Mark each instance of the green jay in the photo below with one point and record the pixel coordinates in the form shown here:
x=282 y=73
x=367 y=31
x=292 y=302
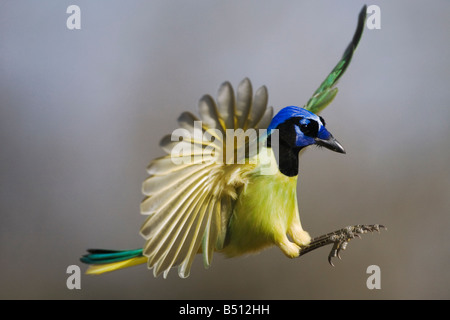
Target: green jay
x=213 y=194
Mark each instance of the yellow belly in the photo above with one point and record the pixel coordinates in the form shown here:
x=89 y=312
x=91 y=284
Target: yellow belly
x=262 y=214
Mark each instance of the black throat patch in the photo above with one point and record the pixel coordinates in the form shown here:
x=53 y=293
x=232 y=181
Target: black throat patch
x=287 y=159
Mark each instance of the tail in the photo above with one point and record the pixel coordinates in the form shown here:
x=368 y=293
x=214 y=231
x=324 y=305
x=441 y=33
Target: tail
x=102 y=261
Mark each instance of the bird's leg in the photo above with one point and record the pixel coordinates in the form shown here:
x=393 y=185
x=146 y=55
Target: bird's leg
x=290 y=249
x=296 y=232
x=339 y=239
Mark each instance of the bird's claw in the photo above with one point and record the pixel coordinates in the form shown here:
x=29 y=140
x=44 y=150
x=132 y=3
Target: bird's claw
x=340 y=239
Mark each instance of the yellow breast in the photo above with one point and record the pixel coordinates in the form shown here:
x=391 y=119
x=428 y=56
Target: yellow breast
x=263 y=210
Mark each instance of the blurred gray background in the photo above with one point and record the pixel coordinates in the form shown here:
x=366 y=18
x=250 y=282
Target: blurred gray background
x=82 y=113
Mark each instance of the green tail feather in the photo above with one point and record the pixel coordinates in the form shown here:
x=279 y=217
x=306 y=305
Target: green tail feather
x=327 y=91
x=101 y=256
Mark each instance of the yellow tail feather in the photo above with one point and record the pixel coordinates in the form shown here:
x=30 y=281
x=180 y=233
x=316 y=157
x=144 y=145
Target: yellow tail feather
x=108 y=267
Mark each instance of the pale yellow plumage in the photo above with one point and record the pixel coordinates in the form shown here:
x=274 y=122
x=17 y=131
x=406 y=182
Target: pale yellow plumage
x=189 y=205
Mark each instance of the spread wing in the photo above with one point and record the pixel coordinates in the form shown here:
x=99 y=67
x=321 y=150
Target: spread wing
x=323 y=96
x=190 y=192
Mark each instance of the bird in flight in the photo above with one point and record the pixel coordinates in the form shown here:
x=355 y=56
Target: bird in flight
x=228 y=182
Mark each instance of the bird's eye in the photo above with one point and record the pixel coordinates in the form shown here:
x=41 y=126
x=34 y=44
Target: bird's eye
x=322 y=120
x=309 y=128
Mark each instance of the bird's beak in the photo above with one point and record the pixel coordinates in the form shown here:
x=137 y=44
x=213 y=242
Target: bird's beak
x=330 y=143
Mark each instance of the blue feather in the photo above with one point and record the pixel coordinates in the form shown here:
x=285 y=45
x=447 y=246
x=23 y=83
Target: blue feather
x=290 y=112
